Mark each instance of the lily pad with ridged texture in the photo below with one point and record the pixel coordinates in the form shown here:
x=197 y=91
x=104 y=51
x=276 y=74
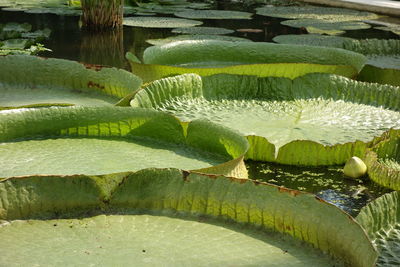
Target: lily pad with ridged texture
x=383 y=160
x=316 y=119
x=208 y=57
x=311 y=39
x=203 y=30
x=28 y=81
x=394 y=28
x=383 y=65
x=110 y=140
x=170 y=217
x=315 y=12
x=160 y=22
x=59 y=7
x=326 y=26
x=213 y=14
x=381 y=220
x=196 y=37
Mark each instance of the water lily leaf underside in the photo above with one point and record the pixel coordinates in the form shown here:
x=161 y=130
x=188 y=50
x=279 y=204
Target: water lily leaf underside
x=210 y=57
x=154 y=214
x=317 y=119
x=33 y=81
x=99 y=141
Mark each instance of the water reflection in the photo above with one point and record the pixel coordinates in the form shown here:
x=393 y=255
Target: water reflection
x=329 y=183
x=103 y=48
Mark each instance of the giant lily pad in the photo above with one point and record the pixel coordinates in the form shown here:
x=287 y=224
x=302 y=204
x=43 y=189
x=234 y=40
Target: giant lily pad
x=160 y=22
x=203 y=30
x=326 y=26
x=315 y=12
x=170 y=217
x=112 y=140
x=16 y=44
x=213 y=14
x=383 y=160
x=34 y=81
x=312 y=39
x=247 y=58
x=196 y=37
x=16 y=27
x=380 y=219
x=390 y=27
x=317 y=119
x=59 y=7
x=383 y=65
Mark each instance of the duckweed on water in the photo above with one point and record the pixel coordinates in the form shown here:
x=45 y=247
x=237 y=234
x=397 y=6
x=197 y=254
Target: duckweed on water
x=329 y=183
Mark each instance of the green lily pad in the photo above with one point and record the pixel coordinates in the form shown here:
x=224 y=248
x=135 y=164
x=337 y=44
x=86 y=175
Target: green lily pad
x=326 y=26
x=383 y=65
x=59 y=7
x=33 y=81
x=110 y=140
x=383 y=161
x=208 y=57
x=151 y=214
x=160 y=22
x=317 y=119
x=315 y=12
x=213 y=14
x=55 y=10
x=380 y=219
x=203 y=30
x=394 y=28
x=16 y=44
x=17 y=27
x=37 y=35
x=196 y=37
x=311 y=39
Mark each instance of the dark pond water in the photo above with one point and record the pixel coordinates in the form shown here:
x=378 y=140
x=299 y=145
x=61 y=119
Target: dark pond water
x=68 y=41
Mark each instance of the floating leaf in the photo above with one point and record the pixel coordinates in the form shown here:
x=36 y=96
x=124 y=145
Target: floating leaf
x=311 y=39
x=30 y=81
x=315 y=12
x=383 y=65
x=326 y=26
x=38 y=35
x=208 y=57
x=394 y=28
x=213 y=14
x=17 y=27
x=383 y=161
x=16 y=44
x=202 y=30
x=108 y=140
x=380 y=219
x=151 y=214
x=317 y=119
x=160 y=22
x=195 y=37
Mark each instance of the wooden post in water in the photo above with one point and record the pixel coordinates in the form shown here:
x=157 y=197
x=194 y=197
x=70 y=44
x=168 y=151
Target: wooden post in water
x=102 y=14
